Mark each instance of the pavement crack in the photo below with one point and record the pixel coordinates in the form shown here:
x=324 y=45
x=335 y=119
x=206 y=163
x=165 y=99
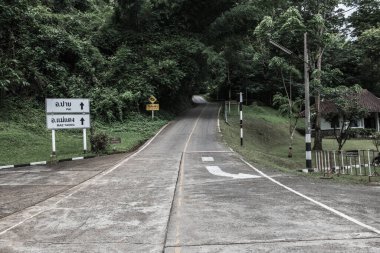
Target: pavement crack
x=270 y=241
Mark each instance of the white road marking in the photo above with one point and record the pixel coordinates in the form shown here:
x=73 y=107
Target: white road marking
x=215 y=170
x=207 y=159
x=212 y=151
x=218 y=119
x=314 y=201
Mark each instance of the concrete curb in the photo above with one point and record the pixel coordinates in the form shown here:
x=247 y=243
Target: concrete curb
x=77 y=158
x=46 y=162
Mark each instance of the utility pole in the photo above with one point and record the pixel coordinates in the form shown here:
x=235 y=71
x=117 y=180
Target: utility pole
x=307 y=107
x=307 y=97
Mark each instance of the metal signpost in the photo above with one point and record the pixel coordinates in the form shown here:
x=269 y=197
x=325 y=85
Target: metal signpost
x=68 y=113
x=152 y=106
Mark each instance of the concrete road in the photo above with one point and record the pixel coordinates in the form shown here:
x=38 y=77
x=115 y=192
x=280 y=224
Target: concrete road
x=184 y=191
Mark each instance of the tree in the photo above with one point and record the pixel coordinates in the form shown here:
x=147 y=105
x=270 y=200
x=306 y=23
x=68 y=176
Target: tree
x=291 y=109
x=348 y=110
x=365 y=16
x=289 y=105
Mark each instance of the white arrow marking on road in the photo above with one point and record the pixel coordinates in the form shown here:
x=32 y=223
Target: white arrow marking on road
x=215 y=170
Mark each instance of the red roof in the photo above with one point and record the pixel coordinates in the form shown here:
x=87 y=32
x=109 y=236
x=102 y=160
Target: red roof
x=366 y=100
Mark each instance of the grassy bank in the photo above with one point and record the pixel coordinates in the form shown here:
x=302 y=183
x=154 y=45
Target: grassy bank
x=24 y=137
x=266 y=140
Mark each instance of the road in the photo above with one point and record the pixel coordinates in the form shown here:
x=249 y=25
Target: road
x=184 y=191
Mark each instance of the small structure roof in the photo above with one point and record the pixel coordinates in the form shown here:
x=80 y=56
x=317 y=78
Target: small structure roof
x=366 y=99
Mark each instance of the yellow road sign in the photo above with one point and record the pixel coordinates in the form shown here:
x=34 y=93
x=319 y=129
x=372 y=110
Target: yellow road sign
x=152 y=99
x=153 y=107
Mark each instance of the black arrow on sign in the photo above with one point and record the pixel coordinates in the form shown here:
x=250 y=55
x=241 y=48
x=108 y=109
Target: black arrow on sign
x=81 y=106
x=82 y=120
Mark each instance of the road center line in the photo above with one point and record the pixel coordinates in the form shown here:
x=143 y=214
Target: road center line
x=218 y=122
x=314 y=201
x=179 y=195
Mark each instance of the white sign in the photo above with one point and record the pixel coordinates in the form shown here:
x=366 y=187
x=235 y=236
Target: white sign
x=68 y=121
x=67 y=105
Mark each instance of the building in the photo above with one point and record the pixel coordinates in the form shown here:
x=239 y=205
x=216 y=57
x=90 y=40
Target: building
x=366 y=99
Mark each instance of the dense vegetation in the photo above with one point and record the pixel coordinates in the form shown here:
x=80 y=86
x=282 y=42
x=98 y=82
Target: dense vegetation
x=120 y=52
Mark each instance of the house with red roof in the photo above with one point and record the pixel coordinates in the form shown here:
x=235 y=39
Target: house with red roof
x=367 y=100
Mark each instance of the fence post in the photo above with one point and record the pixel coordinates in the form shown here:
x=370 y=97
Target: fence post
x=316 y=160
x=350 y=166
x=321 y=160
x=328 y=160
x=341 y=156
x=360 y=165
x=334 y=161
x=369 y=164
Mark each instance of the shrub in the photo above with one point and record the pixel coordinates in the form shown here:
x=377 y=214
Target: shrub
x=360 y=132
x=99 y=142
x=376 y=140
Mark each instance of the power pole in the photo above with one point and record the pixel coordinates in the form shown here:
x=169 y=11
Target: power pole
x=307 y=107
x=307 y=97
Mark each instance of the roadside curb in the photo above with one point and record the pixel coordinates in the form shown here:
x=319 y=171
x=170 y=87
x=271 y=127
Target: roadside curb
x=47 y=162
x=79 y=157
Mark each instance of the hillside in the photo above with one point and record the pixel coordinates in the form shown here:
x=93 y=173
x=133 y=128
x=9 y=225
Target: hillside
x=266 y=138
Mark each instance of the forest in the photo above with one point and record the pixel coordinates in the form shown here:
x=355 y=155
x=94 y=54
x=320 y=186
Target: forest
x=119 y=52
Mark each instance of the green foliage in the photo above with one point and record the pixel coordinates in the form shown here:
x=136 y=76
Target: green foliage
x=376 y=140
x=99 y=143
x=120 y=52
x=286 y=107
x=361 y=133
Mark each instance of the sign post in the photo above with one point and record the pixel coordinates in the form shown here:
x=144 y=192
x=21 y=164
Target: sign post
x=152 y=106
x=241 y=117
x=68 y=113
x=53 y=142
x=84 y=140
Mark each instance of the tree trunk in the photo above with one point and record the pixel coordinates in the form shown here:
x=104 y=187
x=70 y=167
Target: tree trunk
x=290 y=151
x=2 y=96
x=317 y=129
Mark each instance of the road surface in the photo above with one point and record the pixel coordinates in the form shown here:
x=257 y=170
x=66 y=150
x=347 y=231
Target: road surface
x=184 y=191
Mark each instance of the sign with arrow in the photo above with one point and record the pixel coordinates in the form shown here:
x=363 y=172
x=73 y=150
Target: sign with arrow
x=67 y=105
x=68 y=121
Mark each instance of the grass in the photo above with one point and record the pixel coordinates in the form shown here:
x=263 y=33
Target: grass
x=24 y=137
x=266 y=141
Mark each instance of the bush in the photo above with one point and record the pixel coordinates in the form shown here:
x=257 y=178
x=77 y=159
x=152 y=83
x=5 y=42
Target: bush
x=99 y=142
x=360 y=132
x=376 y=140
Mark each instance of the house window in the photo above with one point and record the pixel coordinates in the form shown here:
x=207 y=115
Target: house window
x=354 y=123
